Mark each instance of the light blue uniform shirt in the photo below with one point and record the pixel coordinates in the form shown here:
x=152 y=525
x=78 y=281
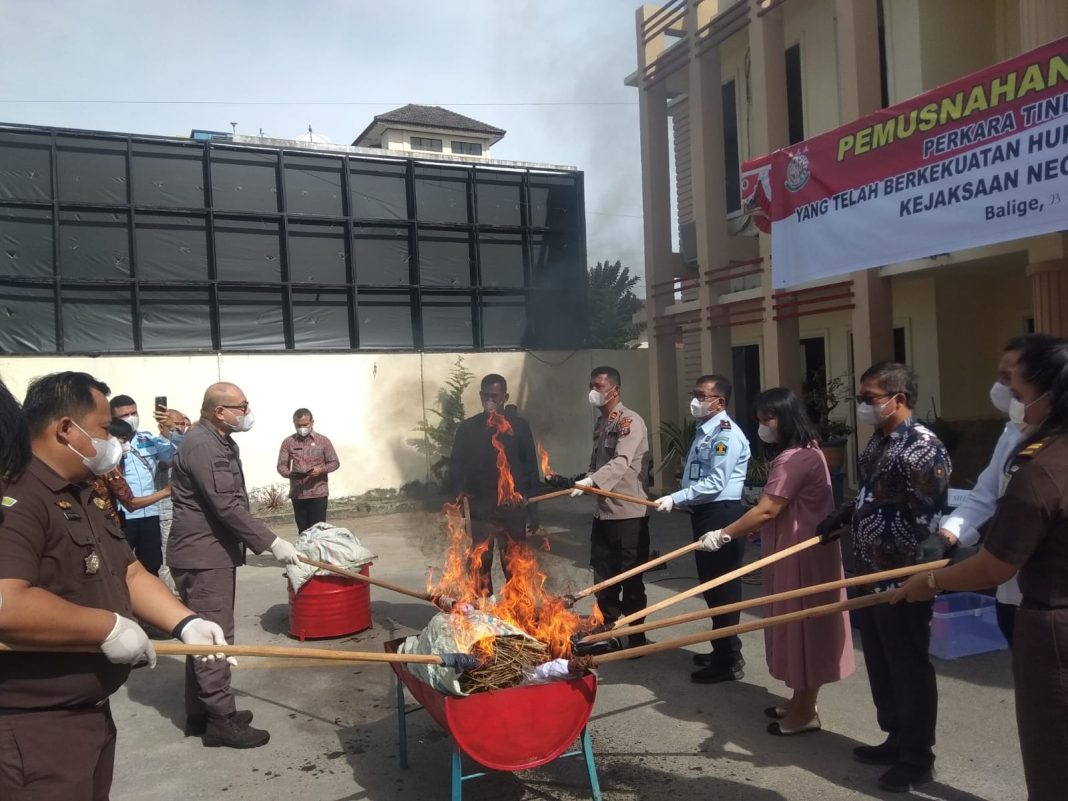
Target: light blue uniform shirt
x=139 y=468
x=716 y=465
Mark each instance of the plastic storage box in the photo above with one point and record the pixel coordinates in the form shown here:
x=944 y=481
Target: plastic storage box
x=965 y=623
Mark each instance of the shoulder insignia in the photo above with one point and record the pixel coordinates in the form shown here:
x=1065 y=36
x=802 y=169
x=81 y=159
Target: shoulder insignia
x=720 y=448
x=8 y=502
x=725 y=424
x=1030 y=451
x=612 y=417
x=64 y=505
x=100 y=503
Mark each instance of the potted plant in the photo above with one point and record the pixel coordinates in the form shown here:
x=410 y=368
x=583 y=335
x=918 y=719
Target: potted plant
x=821 y=397
x=676 y=439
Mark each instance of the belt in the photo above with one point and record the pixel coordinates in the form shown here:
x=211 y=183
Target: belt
x=732 y=502
x=99 y=705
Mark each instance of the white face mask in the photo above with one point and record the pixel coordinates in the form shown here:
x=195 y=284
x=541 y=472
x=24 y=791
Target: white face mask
x=1018 y=410
x=767 y=434
x=489 y=407
x=303 y=431
x=598 y=399
x=699 y=409
x=243 y=422
x=869 y=415
x=133 y=420
x=126 y=447
x=107 y=453
x=1001 y=397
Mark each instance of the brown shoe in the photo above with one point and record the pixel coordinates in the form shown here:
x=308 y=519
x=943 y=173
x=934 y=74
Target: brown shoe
x=196 y=725
x=228 y=733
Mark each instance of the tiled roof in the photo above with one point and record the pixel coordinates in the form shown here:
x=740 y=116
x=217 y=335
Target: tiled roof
x=436 y=117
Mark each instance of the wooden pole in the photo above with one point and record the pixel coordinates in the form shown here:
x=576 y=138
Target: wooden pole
x=726 y=609
x=352 y=574
x=174 y=649
x=634 y=571
x=548 y=496
x=743 y=628
x=716 y=582
x=618 y=496
x=465 y=505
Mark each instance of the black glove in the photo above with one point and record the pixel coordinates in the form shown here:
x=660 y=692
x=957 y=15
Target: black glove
x=831 y=527
x=560 y=482
x=932 y=547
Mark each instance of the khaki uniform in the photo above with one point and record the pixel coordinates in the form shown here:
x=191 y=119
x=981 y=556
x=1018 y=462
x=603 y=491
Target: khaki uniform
x=57 y=739
x=620 y=463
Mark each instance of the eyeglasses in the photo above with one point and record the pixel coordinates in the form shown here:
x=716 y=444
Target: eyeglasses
x=869 y=399
x=698 y=396
x=242 y=406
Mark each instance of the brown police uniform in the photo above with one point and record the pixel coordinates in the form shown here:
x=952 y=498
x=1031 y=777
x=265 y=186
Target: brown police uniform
x=212 y=527
x=1030 y=530
x=57 y=738
x=619 y=539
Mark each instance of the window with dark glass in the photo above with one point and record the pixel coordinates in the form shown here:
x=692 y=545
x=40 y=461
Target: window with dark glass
x=97 y=320
x=91 y=170
x=25 y=242
x=795 y=110
x=244 y=181
x=732 y=183
x=168 y=176
x=313 y=186
x=499 y=197
x=25 y=167
x=171 y=247
x=251 y=319
x=247 y=251
x=467 y=148
x=425 y=143
x=385 y=320
x=317 y=253
x=378 y=190
x=501 y=260
x=94 y=244
x=444 y=258
x=381 y=256
x=27 y=318
x=504 y=321
x=175 y=319
x=447 y=321
x=441 y=195
x=321 y=320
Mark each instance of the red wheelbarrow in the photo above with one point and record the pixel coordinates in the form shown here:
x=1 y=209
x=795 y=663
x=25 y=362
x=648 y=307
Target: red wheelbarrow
x=514 y=729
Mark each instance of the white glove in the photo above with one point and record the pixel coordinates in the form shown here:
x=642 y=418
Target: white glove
x=665 y=504
x=199 y=631
x=582 y=482
x=713 y=540
x=284 y=551
x=127 y=644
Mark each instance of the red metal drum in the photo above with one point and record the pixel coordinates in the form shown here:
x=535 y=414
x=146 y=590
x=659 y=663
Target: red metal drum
x=514 y=729
x=329 y=606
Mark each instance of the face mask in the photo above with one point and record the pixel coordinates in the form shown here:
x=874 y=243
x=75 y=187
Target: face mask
x=1001 y=397
x=176 y=437
x=1018 y=409
x=126 y=447
x=767 y=434
x=597 y=399
x=243 y=422
x=303 y=431
x=699 y=409
x=489 y=407
x=869 y=415
x=107 y=453
x=133 y=420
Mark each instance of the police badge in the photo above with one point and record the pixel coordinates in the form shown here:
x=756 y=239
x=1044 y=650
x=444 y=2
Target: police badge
x=92 y=563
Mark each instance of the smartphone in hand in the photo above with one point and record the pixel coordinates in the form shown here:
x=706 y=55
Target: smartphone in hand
x=161 y=403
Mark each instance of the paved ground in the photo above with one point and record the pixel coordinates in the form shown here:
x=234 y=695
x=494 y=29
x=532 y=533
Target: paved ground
x=655 y=733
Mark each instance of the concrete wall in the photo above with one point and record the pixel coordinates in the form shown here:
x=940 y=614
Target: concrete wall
x=806 y=23
x=400 y=139
x=368 y=404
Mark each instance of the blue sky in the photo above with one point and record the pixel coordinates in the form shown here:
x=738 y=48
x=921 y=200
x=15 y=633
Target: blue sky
x=550 y=72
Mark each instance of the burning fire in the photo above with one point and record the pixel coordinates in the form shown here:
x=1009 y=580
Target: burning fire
x=543 y=457
x=523 y=602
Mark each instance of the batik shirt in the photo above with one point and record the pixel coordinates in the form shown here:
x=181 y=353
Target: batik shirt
x=904 y=477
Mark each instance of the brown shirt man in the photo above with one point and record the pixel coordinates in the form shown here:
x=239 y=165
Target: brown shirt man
x=56 y=536
x=212 y=523
x=620 y=463
x=298 y=455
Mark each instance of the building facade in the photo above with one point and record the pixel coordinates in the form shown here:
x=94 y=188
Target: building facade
x=722 y=82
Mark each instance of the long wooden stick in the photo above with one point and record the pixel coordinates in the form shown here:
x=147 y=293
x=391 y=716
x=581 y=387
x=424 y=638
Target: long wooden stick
x=465 y=505
x=634 y=571
x=174 y=649
x=743 y=628
x=802 y=592
x=618 y=496
x=548 y=496
x=352 y=574
x=716 y=582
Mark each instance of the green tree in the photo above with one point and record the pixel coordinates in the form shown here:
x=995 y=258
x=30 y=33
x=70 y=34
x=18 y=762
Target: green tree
x=612 y=307
x=437 y=437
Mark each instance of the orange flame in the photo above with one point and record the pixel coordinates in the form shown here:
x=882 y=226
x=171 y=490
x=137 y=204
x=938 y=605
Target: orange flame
x=506 y=491
x=543 y=457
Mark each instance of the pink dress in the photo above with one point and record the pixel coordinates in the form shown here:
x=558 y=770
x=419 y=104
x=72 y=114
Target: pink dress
x=813 y=652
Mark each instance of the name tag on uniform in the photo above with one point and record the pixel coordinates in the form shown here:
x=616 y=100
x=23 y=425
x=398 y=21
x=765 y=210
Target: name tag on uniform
x=695 y=471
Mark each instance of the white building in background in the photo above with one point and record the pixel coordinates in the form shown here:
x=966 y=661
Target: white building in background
x=429 y=129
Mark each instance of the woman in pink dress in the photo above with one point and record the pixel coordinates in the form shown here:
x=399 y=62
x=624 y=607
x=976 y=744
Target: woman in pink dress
x=805 y=654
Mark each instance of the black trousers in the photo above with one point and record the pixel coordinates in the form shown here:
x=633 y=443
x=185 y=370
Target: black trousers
x=1006 y=619
x=616 y=546
x=709 y=517
x=507 y=532
x=146 y=542
x=309 y=511
x=895 y=640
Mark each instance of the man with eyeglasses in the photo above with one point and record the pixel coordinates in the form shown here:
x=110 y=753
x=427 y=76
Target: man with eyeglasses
x=212 y=528
x=712 y=481
x=903 y=478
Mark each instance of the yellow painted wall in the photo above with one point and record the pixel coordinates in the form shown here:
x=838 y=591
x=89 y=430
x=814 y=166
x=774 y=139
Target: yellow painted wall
x=810 y=23
x=957 y=37
x=368 y=404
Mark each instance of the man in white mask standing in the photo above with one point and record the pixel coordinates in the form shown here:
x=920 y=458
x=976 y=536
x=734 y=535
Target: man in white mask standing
x=712 y=481
x=964 y=522
x=212 y=528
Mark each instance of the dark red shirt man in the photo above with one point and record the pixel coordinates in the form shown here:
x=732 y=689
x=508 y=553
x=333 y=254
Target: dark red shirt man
x=306 y=458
